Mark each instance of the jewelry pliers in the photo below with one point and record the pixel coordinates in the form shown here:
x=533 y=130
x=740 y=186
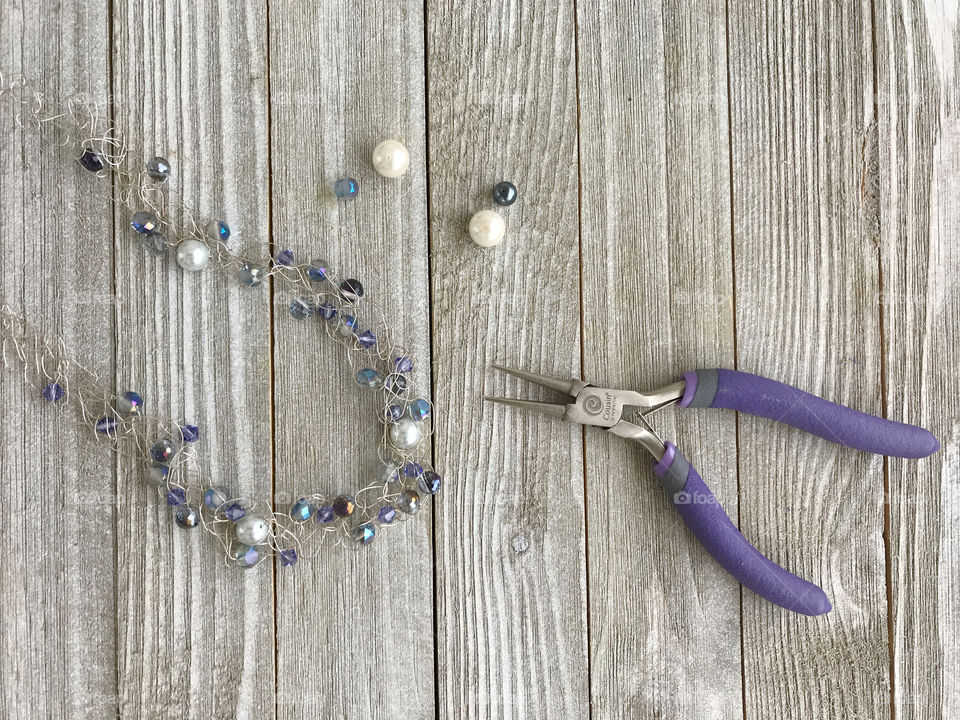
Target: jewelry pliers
x=732 y=390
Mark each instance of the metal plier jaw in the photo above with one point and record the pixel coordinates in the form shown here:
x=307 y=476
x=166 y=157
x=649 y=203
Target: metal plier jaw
x=601 y=407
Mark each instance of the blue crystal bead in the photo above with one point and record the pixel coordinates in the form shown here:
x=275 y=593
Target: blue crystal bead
x=504 y=193
x=215 y=497
x=393 y=413
x=325 y=514
x=419 y=409
x=288 y=557
x=176 y=496
x=367 y=339
x=346 y=188
x=351 y=290
x=369 y=378
x=162 y=450
x=158 y=168
x=327 y=310
x=221 y=230
x=403 y=364
x=187 y=516
x=364 y=533
x=52 y=392
x=189 y=433
x=130 y=403
x=412 y=469
x=91 y=161
x=347 y=326
x=429 y=483
x=301 y=511
x=397 y=383
x=157 y=473
x=250 y=275
x=318 y=270
x=143 y=222
x=409 y=502
x=106 y=425
x=344 y=506
x=387 y=514
x=301 y=308
x=284 y=257
x=246 y=556
x=234 y=512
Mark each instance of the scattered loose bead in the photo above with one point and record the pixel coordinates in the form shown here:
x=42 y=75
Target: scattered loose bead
x=52 y=392
x=504 y=193
x=344 y=506
x=351 y=290
x=158 y=168
x=366 y=339
x=284 y=257
x=189 y=433
x=301 y=308
x=301 y=511
x=214 y=498
x=162 y=450
x=157 y=473
x=130 y=403
x=90 y=160
x=251 y=530
x=387 y=514
x=405 y=434
x=369 y=378
x=318 y=270
x=346 y=188
x=487 y=228
x=429 y=483
x=403 y=364
x=250 y=275
x=193 y=255
x=364 y=534
x=419 y=409
x=176 y=496
x=288 y=557
x=234 y=512
x=388 y=472
x=325 y=514
x=327 y=310
x=391 y=159
x=106 y=425
x=409 y=502
x=143 y=222
x=187 y=516
x=246 y=556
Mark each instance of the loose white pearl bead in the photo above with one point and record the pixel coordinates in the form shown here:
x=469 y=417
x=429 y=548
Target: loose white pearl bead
x=391 y=159
x=405 y=434
x=487 y=228
x=251 y=530
x=192 y=255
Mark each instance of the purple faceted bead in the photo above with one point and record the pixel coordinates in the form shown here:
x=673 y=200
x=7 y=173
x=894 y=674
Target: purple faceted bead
x=325 y=514
x=412 y=470
x=284 y=257
x=327 y=310
x=190 y=433
x=106 y=425
x=176 y=496
x=52 y=392
x=234 y=512
x=91 y=160
x=393 y=413
x=429 y=483
x=403 y=364
x=288 y=557
x=387 y=514
x=367 y=339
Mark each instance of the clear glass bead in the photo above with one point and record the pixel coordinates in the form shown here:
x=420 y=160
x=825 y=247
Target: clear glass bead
x=158 y=168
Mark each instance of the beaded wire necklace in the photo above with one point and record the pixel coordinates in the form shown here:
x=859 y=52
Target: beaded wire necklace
x=249 y=529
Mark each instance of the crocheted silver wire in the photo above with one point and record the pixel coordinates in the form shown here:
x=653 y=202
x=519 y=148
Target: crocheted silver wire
x=45 y=361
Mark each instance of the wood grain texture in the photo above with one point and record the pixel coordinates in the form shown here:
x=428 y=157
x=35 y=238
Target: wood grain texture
x=919 y=129
x=57 y=521
x=657 y=301
x=355 y=625
x=805 y=251
x=511 y=613
x=195 y=635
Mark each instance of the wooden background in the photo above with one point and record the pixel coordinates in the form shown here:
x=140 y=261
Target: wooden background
x=770 y=186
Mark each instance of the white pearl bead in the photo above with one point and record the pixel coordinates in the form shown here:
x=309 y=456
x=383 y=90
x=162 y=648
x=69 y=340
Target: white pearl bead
x=405 y=434
x=251 y=530
x=391 y=159
x=192 y=255
x=487 y=228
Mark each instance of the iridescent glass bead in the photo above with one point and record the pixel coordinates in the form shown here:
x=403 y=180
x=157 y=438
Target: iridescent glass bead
x=366 y=339
x=250 y=275
x=412 y=469
x=344 y=506
x=429 y=483
x=221 y=230
x=162 y=450
x=187 y=516
x=158 y=168
x=397 y=384
x=215 y=497
x=156 y=242
x=369 y=378
x=364 y=533
x=301 y=511
x=246 y=556
x=143 y=222
x=318 y=270
x=234 y=512
x=347 y=325
x=130 y=403
x=409 y=502
x=392 y=413
x=419 y=409
x=301 y=308
x=346 y=188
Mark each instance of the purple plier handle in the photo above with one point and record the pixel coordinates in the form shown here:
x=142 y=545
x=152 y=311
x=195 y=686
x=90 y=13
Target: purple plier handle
x=734 y=390
x=702 y=513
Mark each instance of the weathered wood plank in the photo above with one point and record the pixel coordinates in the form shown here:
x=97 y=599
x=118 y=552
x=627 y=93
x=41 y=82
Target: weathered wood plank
x=919 y=130
x=57 y=534
x=657 y=275
x=354 y=625
x=510 y=535
x=806 y=268
x=195 y=633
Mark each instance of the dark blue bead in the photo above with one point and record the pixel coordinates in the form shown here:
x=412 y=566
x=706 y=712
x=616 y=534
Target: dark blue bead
x=504 y=193
x=162 y=450
x=284 y=257
x=158 y=168
x=351 y=290
x=106 y=425
x=52 y=392
x=234 y=512
x=176 y=496
x=419 y=409
x=318 y=270
x=288 y=557
x=189 y=433
x=429 y=483
x=367 y=339
x=325 y=514
x=143 y=222
x=387 y=514
x=403 y=364
x=327 y=310
x=91 y=161
x=223 y=230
